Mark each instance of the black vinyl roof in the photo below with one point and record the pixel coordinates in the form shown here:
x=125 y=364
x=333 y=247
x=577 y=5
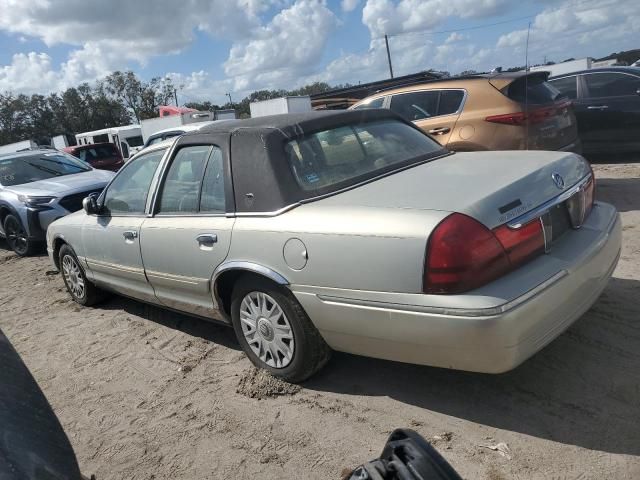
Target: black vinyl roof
x=295 y=124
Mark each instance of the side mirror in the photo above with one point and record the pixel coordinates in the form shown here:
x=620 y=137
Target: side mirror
x=90 y=204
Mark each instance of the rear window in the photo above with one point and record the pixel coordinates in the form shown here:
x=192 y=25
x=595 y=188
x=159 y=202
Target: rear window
x=533 y=89
x=97 y=152
x=335 y=158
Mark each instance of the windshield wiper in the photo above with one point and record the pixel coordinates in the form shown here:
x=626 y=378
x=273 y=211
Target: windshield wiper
x=45 y=169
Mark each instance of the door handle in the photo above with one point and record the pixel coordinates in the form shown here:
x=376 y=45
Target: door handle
x=207 y=239
x=439 y=131
x=597 y=107
x=130 y=235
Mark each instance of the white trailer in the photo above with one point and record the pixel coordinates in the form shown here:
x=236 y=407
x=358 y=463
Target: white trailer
x=125 y=138
x=59 y=142
x=18 y=146
x=565 y=67
x=153 y=125
x=276 y=106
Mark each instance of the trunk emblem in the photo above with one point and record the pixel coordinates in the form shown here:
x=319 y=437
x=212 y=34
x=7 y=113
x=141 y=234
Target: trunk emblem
x=558 y=180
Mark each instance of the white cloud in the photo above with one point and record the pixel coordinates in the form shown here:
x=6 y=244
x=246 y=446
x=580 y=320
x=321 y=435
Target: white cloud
x=349 y=5
x=288 y=46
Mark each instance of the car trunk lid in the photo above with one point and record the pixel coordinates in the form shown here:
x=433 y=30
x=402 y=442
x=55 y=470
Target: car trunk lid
x=492 y=187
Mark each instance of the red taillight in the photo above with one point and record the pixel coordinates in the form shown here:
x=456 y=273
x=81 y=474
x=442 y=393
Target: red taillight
x=463 y=254
x=521 y=244
x=533 y=116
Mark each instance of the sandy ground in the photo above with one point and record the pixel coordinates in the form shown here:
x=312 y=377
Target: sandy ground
x=147 y=394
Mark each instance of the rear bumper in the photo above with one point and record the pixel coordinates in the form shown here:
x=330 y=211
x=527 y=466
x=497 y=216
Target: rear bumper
x=490 y=340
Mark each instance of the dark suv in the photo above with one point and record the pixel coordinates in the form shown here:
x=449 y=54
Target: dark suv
x=607 y=106
x=103 y=156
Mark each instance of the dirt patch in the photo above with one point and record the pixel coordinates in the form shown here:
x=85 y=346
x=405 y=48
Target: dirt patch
x=259 y=384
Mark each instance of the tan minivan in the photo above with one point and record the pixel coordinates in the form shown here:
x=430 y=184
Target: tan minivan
x=503 y=111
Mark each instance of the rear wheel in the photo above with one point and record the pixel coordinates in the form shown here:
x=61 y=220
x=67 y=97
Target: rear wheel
x=17 y=237
x=275 y=332
x=81 y=290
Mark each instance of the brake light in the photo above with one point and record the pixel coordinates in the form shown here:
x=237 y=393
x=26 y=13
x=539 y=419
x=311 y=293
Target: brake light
x=533 y=117
x=462 y=254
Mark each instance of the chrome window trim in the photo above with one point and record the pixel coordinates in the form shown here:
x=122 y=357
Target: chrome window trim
x=518 y=222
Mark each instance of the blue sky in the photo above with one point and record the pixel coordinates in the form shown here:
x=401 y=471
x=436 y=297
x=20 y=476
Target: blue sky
x=211 y=47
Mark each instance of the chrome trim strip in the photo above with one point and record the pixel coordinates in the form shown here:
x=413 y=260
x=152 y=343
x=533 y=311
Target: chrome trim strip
x=546 y=206
x=176 y=278
x=251 y=267
x=114 y=266
x=267 y=214
x=457 y=312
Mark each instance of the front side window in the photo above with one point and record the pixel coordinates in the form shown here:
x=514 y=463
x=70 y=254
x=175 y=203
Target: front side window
x=181 y=188
x=127 y=194
x=375 y=103
x=415 y=105
x=331 y=159
x=568 y=86
x=39 y=166
x=611 y=84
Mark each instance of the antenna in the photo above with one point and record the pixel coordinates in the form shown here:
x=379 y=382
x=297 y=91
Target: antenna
x=526 y=89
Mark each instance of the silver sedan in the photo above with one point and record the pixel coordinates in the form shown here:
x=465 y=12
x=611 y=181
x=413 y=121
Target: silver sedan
x=348 y=231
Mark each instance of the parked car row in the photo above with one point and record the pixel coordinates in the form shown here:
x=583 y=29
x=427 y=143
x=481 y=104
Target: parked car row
x=596 y=111
x=349 y=231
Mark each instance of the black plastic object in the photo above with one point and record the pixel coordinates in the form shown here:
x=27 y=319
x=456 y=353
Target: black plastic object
x=33 y=445
x=406 y=456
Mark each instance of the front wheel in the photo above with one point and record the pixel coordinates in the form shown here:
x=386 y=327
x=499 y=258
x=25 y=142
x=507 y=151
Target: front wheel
x=275 y=332
x=81 y=290
x=17 y=237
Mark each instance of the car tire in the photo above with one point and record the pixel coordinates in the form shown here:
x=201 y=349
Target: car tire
x=266 y=337
x=17 y=237
x=79 y=287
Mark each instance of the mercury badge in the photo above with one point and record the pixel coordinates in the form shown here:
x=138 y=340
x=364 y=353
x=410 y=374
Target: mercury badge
x=558 y=180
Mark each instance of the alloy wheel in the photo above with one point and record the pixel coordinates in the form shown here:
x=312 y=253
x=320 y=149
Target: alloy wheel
x=73 y=276
x=16 y=236
x=266 y=329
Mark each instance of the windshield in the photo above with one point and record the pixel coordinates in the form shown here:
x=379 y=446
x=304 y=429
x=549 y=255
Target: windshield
x=39 y=166
x=336 y=158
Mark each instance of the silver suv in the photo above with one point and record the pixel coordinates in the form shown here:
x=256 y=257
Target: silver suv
x=38 y=187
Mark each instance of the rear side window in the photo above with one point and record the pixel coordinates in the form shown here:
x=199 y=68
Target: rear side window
x=450 y=101
x=375 y=103
x=212 y=199
x=568 y=86
x=415 y=105
x=533 y=89
x=611 y=84
x=181 y=189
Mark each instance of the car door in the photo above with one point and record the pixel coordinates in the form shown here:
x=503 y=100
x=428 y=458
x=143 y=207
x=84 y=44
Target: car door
x=423 y=108
x=189 y=233
x=111 y=239
x=608 y=111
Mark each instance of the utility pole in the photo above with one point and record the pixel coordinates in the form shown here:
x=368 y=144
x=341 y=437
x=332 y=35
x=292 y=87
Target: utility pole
x=386 y=41
x=230 y=101
x=175 y=95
